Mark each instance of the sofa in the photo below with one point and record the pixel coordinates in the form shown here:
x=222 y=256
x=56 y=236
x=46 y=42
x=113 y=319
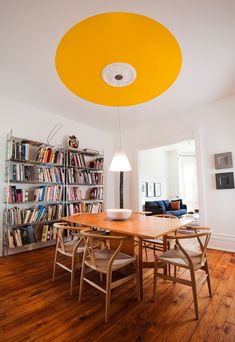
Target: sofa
x=166 y=207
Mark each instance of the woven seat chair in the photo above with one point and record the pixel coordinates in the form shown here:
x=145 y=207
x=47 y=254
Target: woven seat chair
x=72 y=249
x=157 y=244
x=106 y=261
x=186 y=256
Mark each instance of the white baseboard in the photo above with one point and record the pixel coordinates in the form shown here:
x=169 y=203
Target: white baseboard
x=222 y=242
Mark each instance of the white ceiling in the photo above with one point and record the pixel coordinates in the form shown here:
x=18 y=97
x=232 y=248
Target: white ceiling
x=30 y=31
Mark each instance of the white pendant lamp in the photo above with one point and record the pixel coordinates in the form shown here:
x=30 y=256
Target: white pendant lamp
x=119 y=75
x=120 y=162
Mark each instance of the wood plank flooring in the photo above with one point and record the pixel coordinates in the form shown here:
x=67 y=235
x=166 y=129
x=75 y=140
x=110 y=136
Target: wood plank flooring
x=33 y=308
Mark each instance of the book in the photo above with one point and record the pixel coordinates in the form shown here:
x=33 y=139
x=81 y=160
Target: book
x=44 y=233
x=24 y=236
x=31 y=234
x=10 y=239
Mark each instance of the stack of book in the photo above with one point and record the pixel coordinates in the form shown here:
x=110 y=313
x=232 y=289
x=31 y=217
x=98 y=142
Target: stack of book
x=97 y=178
x=18 y=150
x=76 y=159
x=73 y=193
x=94 y=208
x=84 y=176
x=16 y=216
x=40 y=194
x=97 y=193
x=74 y=208
x=49 y=155
x=15 y=195
x=30 y=173
x=48 y=194
x=27 y=235
x=97 y=164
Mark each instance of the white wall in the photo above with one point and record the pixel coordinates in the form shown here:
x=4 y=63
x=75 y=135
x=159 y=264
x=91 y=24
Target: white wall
x=153 y=167
x=213 y=127
x=173 y=174
x=32 y=123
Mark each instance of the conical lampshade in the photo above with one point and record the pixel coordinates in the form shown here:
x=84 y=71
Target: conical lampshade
x=120 y=162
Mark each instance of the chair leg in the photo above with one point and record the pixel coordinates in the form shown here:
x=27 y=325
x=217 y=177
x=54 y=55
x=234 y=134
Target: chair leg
x=194 y=289
x=82 y=282
x=208 y=278
x=145 y=249
x=72 y=274
x=169 y=270
x=136 y=265
x=54 y=267
x=108 y=296
x=175 y=273
x=155 y=279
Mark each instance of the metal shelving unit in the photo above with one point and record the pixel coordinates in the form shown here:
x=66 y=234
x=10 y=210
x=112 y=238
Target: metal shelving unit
x=8 y=228
x=94 y=155
x=31 y=185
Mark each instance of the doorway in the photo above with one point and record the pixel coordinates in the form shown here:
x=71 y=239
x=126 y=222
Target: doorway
x=172 y=171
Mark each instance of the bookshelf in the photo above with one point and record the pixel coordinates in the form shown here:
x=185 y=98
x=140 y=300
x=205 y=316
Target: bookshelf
x=43 y=183
x=84 y=181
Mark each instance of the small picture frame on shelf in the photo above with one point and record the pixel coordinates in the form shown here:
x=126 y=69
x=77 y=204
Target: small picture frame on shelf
x=143 y=189
x=157 y=189
x=150 y=189
x=224 y=180
x=223 y=160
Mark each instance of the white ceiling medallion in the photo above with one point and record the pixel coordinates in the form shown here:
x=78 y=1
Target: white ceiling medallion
x=119 y=74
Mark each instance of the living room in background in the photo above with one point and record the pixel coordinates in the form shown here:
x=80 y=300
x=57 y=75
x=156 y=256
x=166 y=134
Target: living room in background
x=172 y=169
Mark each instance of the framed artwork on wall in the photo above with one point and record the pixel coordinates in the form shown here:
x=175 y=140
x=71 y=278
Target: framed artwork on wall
x=150 y=189
x=143 y=189
x=223 y=160
x=224 y=180
x=157 y=189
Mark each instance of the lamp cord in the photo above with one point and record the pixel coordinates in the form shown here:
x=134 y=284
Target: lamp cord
x=119 y=128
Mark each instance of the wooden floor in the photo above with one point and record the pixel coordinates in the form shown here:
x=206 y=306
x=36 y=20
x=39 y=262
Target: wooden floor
x=33 y=308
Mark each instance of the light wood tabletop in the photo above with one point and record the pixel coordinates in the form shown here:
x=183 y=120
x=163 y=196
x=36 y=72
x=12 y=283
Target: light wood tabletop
x=137 y=225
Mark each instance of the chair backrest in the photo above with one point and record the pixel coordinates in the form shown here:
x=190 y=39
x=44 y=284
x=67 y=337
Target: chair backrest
x=142 y=212
x=202 y=235
x=92 y=239
x=60 y=228
x=166 y=216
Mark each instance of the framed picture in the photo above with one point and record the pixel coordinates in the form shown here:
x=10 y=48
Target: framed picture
x=143 y=189
x=224 y=180
x=150 y=189
x=223 y=160
x=157 y=189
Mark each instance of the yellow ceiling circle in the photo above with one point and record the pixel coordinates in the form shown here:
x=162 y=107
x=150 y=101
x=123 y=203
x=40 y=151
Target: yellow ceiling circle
x=118 y=37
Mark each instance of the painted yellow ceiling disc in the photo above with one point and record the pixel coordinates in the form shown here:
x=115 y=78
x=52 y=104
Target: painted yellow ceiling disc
x=94 y=43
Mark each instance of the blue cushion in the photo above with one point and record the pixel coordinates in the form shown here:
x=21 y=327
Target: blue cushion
x=174 y=212
x=161 y=204
x=167 y=204
x=179 y=212
x=183 y=211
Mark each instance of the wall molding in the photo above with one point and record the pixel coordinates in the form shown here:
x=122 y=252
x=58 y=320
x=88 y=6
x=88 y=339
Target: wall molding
x=222 y=242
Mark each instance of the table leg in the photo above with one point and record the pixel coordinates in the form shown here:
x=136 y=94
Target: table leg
x=141 y=267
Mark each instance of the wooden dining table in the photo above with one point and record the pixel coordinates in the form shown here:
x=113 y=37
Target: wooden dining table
x=138 y=225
